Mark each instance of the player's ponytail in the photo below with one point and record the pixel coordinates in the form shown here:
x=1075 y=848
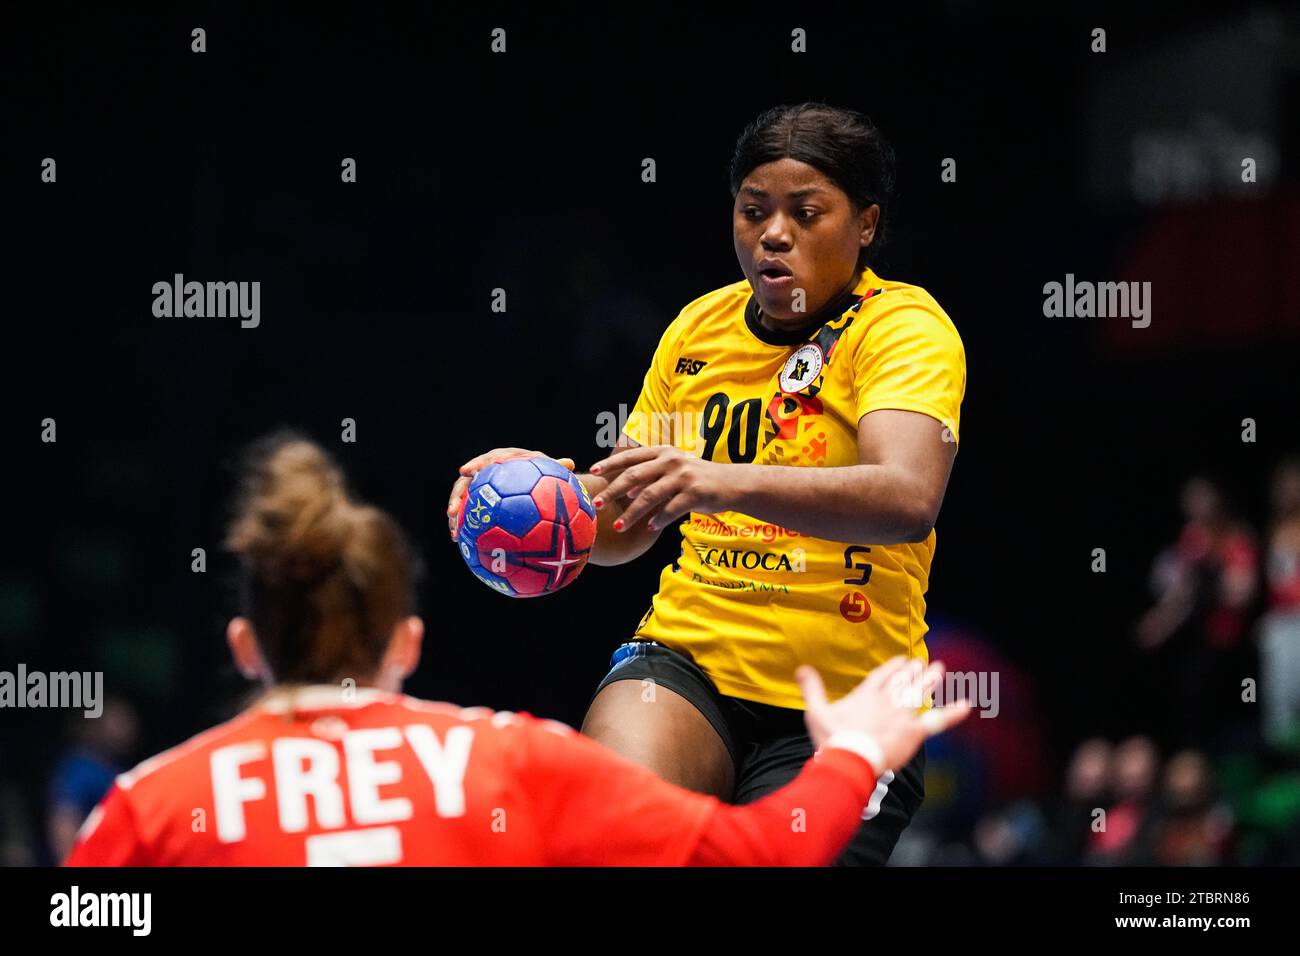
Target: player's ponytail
x=324 y=578
x=842 y=144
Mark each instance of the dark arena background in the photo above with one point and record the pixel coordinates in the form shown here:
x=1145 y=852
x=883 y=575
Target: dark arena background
x=1141 y=670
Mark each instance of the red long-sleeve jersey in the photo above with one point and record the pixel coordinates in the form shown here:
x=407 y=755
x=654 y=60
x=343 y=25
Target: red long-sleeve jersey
x=311 y=778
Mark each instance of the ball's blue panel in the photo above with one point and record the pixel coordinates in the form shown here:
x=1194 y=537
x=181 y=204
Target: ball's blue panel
x=467 y=550
x=515 y=477
x=584 y=499
x=517 y=514
x=549 y=466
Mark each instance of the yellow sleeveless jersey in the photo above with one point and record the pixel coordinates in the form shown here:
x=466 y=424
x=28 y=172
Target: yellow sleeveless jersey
x=747 y=600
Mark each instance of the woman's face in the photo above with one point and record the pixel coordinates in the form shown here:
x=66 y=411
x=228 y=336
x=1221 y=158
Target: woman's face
x=794 y=229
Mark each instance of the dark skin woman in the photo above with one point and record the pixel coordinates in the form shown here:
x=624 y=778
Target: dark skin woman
x=803 y=229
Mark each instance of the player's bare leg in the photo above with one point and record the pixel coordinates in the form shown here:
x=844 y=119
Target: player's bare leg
x=662 y=731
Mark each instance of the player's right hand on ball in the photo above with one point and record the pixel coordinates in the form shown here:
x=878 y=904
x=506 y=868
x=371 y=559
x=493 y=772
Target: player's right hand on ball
x=473 y=467
x=884 y=706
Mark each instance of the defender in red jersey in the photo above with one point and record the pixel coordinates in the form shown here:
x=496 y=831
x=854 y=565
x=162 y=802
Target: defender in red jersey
x=334 y=767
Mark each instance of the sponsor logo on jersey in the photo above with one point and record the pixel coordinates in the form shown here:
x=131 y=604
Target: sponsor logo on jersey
x=741 y=585
x=708 y=524
x=748 y=560
x=854 y=607
x=690 y=366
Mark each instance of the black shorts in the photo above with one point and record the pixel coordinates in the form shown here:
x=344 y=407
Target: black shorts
x=769 y=746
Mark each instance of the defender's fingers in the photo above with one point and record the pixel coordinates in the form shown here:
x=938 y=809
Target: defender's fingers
x=812 y=688
x=886 y=671
x=933 y=677
x=938 y=719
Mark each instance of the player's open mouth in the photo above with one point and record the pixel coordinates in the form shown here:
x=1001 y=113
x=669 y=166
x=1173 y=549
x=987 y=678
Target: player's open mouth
x=774 y=275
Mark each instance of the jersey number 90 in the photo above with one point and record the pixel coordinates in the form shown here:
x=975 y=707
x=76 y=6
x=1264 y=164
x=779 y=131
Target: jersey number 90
x=741 y=427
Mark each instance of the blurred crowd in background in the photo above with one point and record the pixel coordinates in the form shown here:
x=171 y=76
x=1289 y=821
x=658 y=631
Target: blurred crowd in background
x=1211 y=773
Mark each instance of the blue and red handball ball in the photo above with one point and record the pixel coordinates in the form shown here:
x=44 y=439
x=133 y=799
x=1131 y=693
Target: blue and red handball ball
x=526 y=526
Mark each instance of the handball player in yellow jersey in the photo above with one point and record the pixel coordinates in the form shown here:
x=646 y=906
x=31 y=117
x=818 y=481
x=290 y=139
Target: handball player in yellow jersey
x=801 y=426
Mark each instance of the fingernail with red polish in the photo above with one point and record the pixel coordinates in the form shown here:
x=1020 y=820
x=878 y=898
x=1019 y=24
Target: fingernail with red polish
x=618 y=524
x=595 y=469
x=596 y=502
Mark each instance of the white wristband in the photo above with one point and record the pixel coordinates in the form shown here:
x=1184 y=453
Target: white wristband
x=862 y=744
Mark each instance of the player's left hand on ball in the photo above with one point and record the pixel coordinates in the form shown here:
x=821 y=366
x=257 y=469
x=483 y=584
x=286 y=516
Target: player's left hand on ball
x=477 y=464
x=662 y=483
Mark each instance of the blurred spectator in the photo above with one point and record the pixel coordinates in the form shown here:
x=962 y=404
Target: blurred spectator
x=1280 y=627
x=1013 y=836
x=1125 y=837
x=1204 y=584
x=1087 y=789
x=84 y=774
x=1193 y=828
x=16 y=843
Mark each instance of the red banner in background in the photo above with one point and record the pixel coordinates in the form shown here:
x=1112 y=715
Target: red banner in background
x=1222 y=273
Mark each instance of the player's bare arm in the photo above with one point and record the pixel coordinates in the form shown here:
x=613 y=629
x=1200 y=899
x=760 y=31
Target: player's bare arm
x=892 y=496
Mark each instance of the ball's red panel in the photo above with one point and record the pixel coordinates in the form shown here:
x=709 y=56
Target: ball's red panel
x=539 y=541
x=530 y=582
x=493 y=539
x=549 y=550
x=584 y=530
x=545 y=497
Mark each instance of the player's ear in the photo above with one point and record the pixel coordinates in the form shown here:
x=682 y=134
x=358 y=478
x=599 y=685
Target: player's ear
x=403 y=654
x=244 y=649
x=867 y=219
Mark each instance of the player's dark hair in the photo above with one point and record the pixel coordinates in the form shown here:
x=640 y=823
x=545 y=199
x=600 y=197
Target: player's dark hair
x=844 y=145
x=324 y=578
